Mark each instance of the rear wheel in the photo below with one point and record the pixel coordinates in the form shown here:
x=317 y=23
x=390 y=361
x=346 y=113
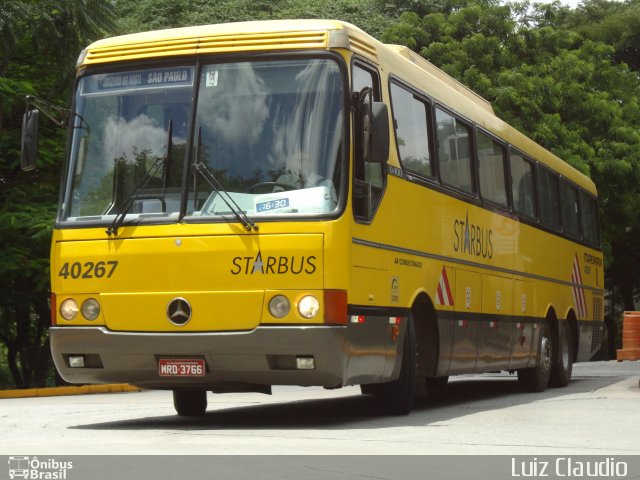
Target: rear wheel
x=190 y=403
x=563 y=366
x=536 y=379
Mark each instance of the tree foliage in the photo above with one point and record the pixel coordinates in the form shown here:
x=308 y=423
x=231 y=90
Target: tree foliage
x=372 y=16
x=40 y=42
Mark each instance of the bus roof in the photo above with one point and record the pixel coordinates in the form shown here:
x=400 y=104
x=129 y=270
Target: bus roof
x=324 y=34
x=224 y=37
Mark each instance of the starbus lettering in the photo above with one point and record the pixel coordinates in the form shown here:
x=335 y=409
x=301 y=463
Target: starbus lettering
x=270 y=265
x=472 y=239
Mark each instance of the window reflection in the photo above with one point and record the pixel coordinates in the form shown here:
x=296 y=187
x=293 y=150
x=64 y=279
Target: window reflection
x=265 y=128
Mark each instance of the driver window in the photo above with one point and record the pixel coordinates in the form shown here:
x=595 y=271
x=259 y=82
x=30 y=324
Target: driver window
x=368 y=177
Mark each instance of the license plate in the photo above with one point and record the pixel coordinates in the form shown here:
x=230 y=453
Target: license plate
x=181 y=367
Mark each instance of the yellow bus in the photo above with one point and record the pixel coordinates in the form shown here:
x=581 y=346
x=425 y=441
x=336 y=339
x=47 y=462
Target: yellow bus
x=295 y=203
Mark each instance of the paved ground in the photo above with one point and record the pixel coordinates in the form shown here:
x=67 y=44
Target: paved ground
x=598 y=413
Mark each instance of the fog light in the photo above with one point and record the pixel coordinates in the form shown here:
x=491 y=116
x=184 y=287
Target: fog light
x=76 y=361
x=308 y=306
x=90 y=309
x=305 y=363
x=279 y=306
x=69 y=309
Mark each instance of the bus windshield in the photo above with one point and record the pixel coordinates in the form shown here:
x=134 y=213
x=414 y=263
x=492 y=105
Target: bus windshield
x=269 y=134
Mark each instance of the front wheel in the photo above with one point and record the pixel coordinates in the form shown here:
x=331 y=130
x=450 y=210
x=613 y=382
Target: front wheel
x=397 y=397
x=536 y=379
x=190 y=403
x=437 y=383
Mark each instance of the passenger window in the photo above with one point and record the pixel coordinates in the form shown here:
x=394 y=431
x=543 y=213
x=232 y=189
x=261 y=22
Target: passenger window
x=589 y=217
x=454 y=152
x=491 y=157
x=523 y=185
x=570 y=218
x=412 y=132
x=549 y=199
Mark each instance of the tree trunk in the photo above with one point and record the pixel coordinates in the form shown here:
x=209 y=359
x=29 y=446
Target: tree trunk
x=12 y=360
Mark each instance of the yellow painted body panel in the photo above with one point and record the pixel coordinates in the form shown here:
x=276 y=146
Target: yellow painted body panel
x=223 y=274
x=431 y=224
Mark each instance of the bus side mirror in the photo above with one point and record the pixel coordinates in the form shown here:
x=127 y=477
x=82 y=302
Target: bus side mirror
x=379 y=152
x=29 y=143
x=375 y=132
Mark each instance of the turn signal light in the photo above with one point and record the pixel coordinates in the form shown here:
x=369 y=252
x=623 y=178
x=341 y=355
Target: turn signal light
x=335 y=306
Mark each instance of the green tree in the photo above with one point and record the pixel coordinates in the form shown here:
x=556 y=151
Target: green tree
x=372 y=16
x=40 y=43
x=611 y=22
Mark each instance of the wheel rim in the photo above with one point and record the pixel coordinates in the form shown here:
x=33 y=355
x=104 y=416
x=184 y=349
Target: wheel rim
x=546 y=354
x=565 y=351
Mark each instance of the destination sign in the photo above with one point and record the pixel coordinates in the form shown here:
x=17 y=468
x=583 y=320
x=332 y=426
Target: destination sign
x=163 y=77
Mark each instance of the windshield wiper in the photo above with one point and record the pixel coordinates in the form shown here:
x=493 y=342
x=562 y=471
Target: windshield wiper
x=151 y=172
x=240 y=214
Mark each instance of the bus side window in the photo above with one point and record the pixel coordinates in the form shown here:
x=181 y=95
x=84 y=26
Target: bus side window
x=454 y=152
x=523 y=185
x=410 y=115
x=589 y=218
x=369 y=178
x=549 y=198
x=570 y=217
x=491 y=155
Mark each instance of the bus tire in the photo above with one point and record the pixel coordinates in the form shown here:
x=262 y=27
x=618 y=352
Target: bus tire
x=563 y=366
x=371 y=388
x=190 y=403
x=397 y=397
x=437 y=383
x=536 y=379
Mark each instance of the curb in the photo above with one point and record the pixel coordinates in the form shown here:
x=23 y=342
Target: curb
x=60 y=391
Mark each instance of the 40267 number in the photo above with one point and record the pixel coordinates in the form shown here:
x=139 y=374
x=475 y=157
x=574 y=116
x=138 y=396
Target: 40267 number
x=101 y=269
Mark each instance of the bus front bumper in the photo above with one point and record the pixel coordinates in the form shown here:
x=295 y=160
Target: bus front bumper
x=263 y=356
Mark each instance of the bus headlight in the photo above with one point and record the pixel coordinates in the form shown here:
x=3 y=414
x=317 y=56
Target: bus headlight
x=90 y=309
x=69 y=309
x=279 y=306
x=308 y=306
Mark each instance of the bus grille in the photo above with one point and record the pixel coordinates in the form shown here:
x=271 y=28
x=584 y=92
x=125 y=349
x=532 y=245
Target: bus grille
x=213 y=44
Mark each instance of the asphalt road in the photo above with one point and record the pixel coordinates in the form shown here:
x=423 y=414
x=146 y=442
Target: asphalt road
x=597 y=414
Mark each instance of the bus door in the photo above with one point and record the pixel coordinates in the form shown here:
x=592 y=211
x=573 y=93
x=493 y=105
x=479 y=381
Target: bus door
x=468 y=303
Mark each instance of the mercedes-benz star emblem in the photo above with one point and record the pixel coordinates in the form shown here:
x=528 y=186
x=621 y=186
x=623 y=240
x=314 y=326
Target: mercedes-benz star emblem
x=179 y=311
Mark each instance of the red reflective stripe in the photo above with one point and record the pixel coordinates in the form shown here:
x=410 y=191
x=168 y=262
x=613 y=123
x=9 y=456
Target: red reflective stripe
x=440 y=297
x=578 y=292
x=446 y=285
